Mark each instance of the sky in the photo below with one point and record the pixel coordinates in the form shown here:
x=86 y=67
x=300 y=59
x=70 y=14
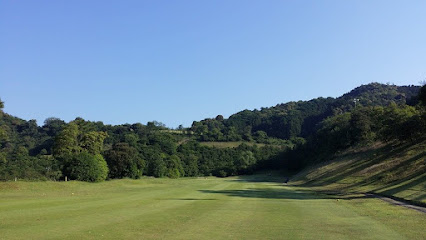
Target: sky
x=180 y=61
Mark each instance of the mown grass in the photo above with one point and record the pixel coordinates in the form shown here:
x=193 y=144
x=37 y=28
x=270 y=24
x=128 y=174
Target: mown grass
x=395 y=170
x=252 y=207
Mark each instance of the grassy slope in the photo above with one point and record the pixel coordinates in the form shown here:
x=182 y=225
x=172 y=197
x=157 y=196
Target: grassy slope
x=392 y=170
x=254 y=207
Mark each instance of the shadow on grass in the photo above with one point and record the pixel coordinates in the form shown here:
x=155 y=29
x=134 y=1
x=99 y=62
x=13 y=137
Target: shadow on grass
x=266 y=178
x=192 y=199
x=371 y=158
x=398 y=170
x=403 y=187
x=367 y=159
x=284 y=194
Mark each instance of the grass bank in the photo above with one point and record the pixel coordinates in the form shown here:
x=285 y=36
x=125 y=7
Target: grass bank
x=394 y=170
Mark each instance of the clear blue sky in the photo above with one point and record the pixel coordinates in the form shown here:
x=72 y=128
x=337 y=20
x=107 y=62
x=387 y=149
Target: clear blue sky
x=179 y=61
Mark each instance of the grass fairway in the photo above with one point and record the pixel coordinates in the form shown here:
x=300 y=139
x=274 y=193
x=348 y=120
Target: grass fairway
x=255 y=207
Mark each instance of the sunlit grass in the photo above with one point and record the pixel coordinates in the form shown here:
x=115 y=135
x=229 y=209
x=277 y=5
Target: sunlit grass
x=254 y=207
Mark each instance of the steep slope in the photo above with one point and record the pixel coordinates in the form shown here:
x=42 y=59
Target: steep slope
x=398 y=171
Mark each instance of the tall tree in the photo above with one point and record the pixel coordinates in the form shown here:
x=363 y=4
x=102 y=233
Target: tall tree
x=66 y=142
x=174 y=167
x=93 y=142
x=53 y=126
x=422 y=95
x=124 y=161
x=246 y=161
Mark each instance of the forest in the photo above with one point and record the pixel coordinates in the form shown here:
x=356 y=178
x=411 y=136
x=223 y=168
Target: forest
x=287 y=136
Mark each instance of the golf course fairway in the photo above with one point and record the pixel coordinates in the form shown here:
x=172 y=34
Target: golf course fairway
x=250 y=207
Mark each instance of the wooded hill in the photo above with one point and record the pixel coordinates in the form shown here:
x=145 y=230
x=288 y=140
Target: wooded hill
x=299 y=119
x=293 y=135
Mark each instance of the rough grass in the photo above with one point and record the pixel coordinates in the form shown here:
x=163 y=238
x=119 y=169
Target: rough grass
x=253 y=207
x=387 y=169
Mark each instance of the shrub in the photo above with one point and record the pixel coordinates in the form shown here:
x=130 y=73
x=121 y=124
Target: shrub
x=87 y=167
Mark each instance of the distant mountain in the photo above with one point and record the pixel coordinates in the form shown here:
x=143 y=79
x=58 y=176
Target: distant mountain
x=376 y=94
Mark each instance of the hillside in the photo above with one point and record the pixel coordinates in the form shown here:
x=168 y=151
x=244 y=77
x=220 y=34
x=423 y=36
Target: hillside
x=290 y=136
x=299 y=119
x=395 y=170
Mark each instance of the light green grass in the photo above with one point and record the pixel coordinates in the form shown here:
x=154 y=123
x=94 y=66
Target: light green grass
x=391 y=170
x=254 y=207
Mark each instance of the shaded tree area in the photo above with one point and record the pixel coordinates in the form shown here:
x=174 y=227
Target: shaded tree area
x=26 y=148
x=202 y=160
x=92 y=151
x=124 y=161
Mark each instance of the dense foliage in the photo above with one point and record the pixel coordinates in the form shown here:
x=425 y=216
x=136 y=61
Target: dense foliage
x=288 y=135
x=86 y=167
x=298 y=119
x=361 y=126
x=125 y=161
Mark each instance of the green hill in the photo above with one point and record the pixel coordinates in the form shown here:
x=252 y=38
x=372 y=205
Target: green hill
x=299 y=118
x=397 y=171
x=290 y=136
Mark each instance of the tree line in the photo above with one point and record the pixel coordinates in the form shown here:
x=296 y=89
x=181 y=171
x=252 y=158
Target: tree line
x=290 y=136
x=293 y=120
x=92 y=151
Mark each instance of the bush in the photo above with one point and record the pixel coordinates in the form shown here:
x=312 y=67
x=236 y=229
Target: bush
x=87 y=167
x=222 y=173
